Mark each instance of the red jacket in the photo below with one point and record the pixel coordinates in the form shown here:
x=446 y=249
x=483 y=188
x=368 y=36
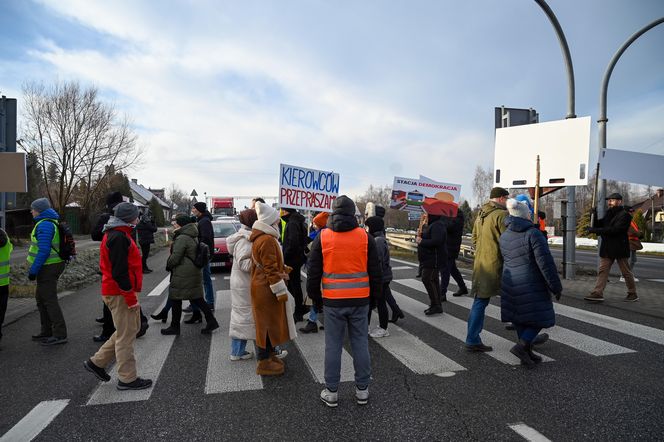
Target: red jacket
x=120 y=264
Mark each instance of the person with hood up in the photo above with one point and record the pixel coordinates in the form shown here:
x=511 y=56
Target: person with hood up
x=344 y=272
x=241 y=326
x=186 y=277
x=488 y=263
x=432 y=255
x=294 y=241
x=205 y=235
x=273 y=313
x=146 y=229
x=529 y=277
x=122 y=279
x=46 y=266
x=319 y=223
x=376 y=228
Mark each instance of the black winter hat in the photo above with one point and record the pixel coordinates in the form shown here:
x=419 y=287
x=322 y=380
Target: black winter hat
x=375 y=224
x=614 y=196
x=380 y=211
x=498 y=192
x=343 y=206
x=200 y=206
x=113 y=199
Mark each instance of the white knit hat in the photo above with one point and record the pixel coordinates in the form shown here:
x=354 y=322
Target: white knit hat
x=518 y=208
x=266 y=214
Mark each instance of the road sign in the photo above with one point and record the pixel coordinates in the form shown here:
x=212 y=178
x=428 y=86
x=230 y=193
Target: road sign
x=193 y=193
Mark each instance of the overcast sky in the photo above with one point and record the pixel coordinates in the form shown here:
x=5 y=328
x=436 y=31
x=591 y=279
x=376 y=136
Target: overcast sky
x=221 y=92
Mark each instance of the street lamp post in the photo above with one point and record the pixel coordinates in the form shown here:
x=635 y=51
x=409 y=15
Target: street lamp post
x=570 y=235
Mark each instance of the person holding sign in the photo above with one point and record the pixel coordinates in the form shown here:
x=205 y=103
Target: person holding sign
x=432 y=254
x=294 y=240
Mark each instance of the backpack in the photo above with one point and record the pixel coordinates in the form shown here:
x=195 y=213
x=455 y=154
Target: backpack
x=67 y=248
x=202 y=257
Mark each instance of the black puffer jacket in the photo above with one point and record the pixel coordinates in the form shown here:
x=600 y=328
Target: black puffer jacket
x=613 y=230
x=146 y=229
x=295 y=239
x=205 y=231
x=432 y=250
x=342 y=220
x=454 y=235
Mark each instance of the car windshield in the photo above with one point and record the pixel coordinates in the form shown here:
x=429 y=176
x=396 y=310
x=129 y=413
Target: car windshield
x=222 y=230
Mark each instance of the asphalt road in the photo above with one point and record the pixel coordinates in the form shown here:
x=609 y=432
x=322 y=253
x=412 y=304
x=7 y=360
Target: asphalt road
x=646 y=267
x=603 y=382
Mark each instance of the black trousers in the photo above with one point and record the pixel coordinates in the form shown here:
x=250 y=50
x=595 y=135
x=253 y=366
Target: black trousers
x=294 y=285
x=431 y=282
x=4 y=296
x=50 y=313
x=264 y=353
x=389 y=298
x=145 y=251
x=198 y=302
x=381 y=305
x=450 y=270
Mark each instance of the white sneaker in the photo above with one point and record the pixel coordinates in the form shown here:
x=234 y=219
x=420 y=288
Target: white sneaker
x=330 y=398
x=243 y=357
x=280 y=353
x=379 y=333
x=622 y=279
x=362 y=396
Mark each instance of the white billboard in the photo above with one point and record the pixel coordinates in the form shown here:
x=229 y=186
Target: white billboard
x=632 y=167
x=307 y=189
x=563 y=147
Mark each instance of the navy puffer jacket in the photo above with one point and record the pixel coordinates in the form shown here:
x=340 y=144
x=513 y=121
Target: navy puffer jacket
x=529 y=275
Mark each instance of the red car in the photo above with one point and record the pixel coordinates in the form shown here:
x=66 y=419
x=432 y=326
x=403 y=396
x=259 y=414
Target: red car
x=222 y=230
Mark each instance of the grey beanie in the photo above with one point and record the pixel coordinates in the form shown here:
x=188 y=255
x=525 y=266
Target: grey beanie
x=40 y=204
x=127 y=212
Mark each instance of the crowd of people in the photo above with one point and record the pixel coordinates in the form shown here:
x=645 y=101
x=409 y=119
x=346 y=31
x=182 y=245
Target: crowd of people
x=348 y=276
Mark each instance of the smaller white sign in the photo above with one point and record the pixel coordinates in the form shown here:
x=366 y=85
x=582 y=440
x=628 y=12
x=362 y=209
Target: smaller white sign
x=307 y=189
x=632 y=167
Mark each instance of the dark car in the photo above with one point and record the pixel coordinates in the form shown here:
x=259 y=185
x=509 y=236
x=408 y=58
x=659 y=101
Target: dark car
x=222 y=230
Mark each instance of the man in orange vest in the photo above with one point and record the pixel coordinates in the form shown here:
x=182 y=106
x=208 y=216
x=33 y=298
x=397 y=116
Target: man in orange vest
x=634 y=236
x=344 y=262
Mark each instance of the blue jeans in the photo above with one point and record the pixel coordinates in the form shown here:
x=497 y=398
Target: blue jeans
x=337 y=319
x=207 y=286
x=313 y=314
x=526 y=333
x=238 y=346
x=476 y=321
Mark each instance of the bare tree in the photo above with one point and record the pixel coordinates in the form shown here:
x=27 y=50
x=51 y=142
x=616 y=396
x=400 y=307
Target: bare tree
x=381 y=196
x=79 y=140
x=177 y=197
x=482 y=184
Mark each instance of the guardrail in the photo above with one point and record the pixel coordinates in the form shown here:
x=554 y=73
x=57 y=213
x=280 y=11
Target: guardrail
x=407 y=241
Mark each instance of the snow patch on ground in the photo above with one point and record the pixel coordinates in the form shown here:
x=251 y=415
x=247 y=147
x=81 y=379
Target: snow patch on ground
x=587 y=242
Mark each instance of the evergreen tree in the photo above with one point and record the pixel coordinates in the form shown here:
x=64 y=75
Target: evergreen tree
x=467 y=217
x=583 y=224
x=640 y=222
x=157 y=212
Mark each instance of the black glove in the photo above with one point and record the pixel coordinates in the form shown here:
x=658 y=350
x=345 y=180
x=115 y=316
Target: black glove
x=32 y=276
x=592 y=230
x=558 y=295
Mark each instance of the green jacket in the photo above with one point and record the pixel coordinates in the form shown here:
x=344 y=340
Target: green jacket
x=186 y=278
x=488 y=264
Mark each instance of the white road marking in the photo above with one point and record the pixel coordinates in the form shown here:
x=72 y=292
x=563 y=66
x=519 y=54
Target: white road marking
x=457 y=328
x=160 y=287
x=35 y=421
x=579 y=341
x=415 y=354
x=402 y=268
x=224 y=375
x=528 y=433
x=401 y=261
x=226 y=278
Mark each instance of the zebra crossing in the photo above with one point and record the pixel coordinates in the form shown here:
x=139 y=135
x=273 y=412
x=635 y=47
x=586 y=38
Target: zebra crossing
x=403 y=344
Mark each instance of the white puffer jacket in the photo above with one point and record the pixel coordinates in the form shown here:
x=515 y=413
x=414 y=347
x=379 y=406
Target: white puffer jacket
x=242 y=319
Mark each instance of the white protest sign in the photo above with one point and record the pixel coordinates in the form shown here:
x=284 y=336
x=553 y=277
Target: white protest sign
x=563 y=147
x=632 y=167
x=307 y=189
x=425 y=194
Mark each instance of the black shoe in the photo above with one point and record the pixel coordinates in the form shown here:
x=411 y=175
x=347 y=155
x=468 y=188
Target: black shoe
x=520 y=351
x=188 y=309
x=462 y=291
x=40 y=337
x=434 y=309
x=100 y=320
x=510 y=326
x=211 y=326
x=397 y=316
x=297 y=318
x=540 y=339
x=311 y=327
x=211 y=306
x=100 y=338
x=99 y=372
x=54 y=340
x=147 y=271
x=171 y=331
x=144 y=328
x=479 y=348
x=136 y=384
x=419 y=276
x=195 y=318
x=535 y=357
x=443 y=298
x=161 y=316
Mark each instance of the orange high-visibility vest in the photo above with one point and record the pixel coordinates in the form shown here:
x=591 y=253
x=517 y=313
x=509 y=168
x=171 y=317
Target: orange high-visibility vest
x=633 y=234
x=345 y=264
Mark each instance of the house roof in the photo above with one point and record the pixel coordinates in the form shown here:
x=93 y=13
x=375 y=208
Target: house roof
x=144 y=196
x=647 y=204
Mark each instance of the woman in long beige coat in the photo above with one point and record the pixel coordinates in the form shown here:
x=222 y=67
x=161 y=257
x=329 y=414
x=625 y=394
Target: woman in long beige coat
x=269 y=295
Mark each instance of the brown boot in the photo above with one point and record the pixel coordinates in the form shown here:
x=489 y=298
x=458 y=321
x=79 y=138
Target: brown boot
x=267 y=367
x=274 y=358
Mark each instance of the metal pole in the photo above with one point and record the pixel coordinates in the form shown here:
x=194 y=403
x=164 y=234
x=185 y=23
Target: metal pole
x=570 y=236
